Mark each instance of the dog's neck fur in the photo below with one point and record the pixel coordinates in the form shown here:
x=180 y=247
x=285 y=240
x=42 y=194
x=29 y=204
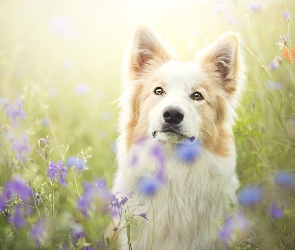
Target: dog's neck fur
x=187 y=209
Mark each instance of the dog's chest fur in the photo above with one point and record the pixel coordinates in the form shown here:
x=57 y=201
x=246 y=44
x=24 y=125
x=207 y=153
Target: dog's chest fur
x=184 y=213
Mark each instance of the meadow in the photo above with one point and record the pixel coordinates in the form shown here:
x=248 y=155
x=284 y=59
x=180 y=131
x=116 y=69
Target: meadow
x=60 y=77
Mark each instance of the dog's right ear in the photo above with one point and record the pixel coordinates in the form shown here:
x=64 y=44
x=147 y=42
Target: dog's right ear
x=147 y=51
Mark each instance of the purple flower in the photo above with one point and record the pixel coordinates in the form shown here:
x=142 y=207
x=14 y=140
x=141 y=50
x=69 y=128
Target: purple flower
x=79 y=163
x=148 y=186
x=87 y=248
x=82 y=89
x=231 y=20
x=250 y=195
x=3 y=203
x=255 y=6
x=21 y=147
x=143 y=215
x=285 y=179
x=234 y=225
x=286 y=14
x=59 y=171
x=15 y=112
x=95 y=196
x=76 y=233
x=39 y=232
x=158 y=153
x=45 y=141
x=17 y=188
x=275 y=211
x=114 y=202
x=188 y=152
x=123 y=201
x=17 y=217
x=274 y=64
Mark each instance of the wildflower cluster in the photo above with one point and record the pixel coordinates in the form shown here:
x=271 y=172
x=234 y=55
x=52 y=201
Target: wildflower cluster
x=58 y=171
x=16 y=199
x=255 y=201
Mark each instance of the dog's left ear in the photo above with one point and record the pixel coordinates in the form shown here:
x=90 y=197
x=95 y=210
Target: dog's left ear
x=223 y=60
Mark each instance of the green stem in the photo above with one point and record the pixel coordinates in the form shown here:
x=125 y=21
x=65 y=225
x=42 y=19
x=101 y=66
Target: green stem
x=52 y=199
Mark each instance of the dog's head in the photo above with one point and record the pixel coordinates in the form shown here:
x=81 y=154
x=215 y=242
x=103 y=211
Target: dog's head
x=172 y=101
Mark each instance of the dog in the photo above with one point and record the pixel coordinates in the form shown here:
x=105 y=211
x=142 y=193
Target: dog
x=166 y=103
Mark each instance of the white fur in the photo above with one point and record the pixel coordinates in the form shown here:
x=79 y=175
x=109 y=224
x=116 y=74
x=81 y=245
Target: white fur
x=184 y=213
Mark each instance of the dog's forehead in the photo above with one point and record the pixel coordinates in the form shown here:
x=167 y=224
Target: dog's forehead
x=181 y=75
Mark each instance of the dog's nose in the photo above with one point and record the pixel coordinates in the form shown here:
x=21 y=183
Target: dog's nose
x=173 y=115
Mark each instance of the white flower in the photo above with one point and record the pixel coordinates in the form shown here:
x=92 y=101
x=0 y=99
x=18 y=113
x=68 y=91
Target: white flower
x=282 y=41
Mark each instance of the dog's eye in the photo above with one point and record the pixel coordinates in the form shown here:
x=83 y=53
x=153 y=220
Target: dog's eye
x=197 y=96
x=159 y=91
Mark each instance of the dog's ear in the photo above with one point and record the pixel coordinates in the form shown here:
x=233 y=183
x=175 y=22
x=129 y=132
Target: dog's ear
x=223 y=60
x=147 y=50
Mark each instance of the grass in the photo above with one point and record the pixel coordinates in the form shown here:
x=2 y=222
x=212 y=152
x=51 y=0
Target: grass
x=50 y=52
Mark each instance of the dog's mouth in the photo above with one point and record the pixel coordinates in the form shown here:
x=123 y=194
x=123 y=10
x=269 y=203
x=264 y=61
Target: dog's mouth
x=173 y=131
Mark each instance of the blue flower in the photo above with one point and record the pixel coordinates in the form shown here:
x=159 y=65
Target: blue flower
x=275 y=211
x=79 y=163
x=285 y=179
x=82 y=89
x=148 y=186
x=286 y=14
x=255 y=6
x=274 y=64
x=274 y=85
x=188 y=152
x=57 y=171
x=250 y=195
x=45 y=122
